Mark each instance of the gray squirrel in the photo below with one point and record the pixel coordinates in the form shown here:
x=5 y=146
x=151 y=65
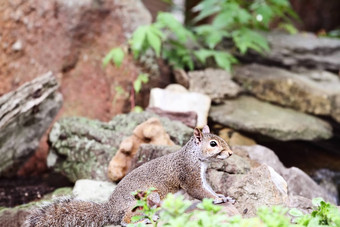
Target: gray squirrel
x=182 y=170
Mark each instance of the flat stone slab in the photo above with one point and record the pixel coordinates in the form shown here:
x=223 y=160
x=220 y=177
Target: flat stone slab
x=251 y=115
x=303 y=49
x=313 y=91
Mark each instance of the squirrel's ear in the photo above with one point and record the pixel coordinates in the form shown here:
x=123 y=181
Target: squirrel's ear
x=206 y=129
x=198 y=135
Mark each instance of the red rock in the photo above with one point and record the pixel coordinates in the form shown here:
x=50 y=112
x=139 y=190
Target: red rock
x=70 y=38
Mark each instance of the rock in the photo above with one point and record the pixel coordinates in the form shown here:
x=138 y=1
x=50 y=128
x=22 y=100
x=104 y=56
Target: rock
x=301 y=203
x=216 y=83
x=126 y=123
x=262 y=186
x=297 y=179
x=329 y=180
x=188 y=118
x=82 y=148
x=299 y=183
x=292 y=89
x=94 y=191
x=70 y=39
x=180 y=100
x=86 y=31
x=263 y=155
x=302 y=49
x=251 y=115
x=25 y=115
x=17 y=46
x=235 y=138
x=148 y=132
x=182 y=78
x=336 y=110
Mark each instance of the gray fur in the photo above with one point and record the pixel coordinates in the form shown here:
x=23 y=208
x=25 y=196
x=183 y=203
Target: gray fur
x=168 y=174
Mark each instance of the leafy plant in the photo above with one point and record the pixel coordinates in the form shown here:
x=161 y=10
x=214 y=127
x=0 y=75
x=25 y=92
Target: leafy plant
x=235 y=20
x=325 y=214
x=146 y=206
x=239 y=20
x=145 y=37
x=174 y=213
x=142 y=78
x=274 y=216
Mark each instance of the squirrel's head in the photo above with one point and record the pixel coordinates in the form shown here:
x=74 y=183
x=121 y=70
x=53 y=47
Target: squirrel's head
x=212 y=146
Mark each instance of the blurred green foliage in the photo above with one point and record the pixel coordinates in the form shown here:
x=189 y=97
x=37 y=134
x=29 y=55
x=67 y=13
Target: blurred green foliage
x=235 y=20
x=173 y=213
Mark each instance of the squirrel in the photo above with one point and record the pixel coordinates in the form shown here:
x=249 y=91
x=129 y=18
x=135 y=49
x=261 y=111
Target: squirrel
x=182 y=170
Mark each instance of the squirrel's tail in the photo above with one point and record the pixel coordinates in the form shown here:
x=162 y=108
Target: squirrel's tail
x=70 y=212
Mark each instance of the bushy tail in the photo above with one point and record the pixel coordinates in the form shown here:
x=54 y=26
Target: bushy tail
x=70 y=212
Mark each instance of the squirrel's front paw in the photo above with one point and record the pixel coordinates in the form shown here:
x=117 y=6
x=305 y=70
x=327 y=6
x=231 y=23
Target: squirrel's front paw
x=218 y=200
x=223 y=199
x=230 y=200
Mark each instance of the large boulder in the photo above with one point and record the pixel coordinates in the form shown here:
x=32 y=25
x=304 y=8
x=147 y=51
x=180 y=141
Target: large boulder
x=252 y=115
x=73 y=34
x=25 y=115
x=82 y=148
x=71 y=38
x=260 y=186
x=302 y=49
x=299 y=183
x=292 y=89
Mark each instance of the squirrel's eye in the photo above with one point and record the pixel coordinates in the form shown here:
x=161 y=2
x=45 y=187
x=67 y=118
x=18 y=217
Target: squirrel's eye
x=213 y=143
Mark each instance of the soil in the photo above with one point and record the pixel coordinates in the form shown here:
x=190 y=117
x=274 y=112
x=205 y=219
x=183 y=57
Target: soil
x=21 y=190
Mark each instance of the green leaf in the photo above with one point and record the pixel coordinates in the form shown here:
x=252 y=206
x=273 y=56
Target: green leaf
x=154 y=40
x=206 y=13
x=289 y=28
x=223 y=20
x=247 y=39
x=143 y=77
x=317 y=201
x=224 y=60
x=206 y=8
x=138 y=39
x=295 y=212
x=136 y=218
x=116 y=55
x=263 y=10
x=168 y=21
x=243 y=16
x=137 y=84
x=203 y=54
